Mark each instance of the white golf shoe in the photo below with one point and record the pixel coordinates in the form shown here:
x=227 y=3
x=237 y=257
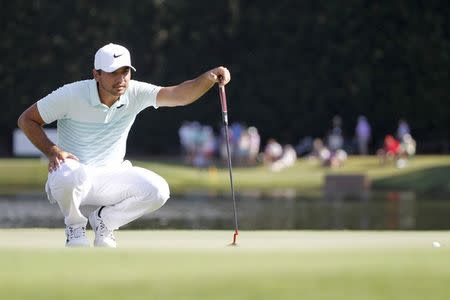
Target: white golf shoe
x=103 y=236
x=76 y=237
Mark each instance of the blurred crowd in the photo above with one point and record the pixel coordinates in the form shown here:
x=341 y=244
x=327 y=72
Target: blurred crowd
x=201 y=146
x=333 y=149
x=400 y=148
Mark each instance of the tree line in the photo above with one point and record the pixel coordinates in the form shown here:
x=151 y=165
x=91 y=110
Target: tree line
x=295 y=64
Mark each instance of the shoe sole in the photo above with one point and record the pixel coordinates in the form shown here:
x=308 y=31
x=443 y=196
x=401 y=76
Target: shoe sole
x=78 y=245
x=103 y=245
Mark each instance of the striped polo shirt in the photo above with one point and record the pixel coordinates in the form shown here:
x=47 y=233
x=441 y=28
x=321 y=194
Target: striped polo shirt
x=89 y=129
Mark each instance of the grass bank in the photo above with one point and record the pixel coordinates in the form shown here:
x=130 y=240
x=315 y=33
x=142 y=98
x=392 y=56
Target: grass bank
x=423 y=173
x=198 y=265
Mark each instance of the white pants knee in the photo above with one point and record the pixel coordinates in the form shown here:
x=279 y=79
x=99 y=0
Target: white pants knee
x=126 y=192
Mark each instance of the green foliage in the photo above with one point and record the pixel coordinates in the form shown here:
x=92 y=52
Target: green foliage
x=294 y=63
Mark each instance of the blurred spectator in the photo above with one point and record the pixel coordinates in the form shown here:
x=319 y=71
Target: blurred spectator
x=236 y=130
x=408 y=145
x=206 y=144
x=334 y=155
x=326 y=157
x=305 y=146
x=391 y=149
x=188 y=133
x=408 y=149
x=335 y=139
x=255 y=141
x=243 y=148
x=337 y=158
x=183 y=134
x=272 y=151
x=363 y=133
x=287 y=159
x=402 y=129
x=319 y=151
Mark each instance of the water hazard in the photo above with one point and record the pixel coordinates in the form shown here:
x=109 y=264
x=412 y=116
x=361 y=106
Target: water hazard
x=382 y=211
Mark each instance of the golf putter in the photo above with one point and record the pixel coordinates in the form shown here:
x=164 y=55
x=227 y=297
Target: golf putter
x=223 y=102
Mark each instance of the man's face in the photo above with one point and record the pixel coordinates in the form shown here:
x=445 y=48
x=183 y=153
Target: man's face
x=115 y=83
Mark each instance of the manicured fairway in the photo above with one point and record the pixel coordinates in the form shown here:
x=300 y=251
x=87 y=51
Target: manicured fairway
x=200 y=265
x=423 y=173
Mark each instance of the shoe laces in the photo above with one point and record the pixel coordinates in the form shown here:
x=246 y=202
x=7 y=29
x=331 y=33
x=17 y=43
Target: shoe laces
x=73 y=233
x=104 y=231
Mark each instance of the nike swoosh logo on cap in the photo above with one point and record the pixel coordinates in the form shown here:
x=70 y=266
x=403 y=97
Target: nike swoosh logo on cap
x=117 y=55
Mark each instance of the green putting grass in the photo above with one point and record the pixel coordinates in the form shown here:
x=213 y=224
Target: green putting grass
x=199 y=265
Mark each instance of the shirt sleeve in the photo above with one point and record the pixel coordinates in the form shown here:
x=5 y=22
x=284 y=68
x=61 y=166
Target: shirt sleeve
x=54 y=106
x=144 y=94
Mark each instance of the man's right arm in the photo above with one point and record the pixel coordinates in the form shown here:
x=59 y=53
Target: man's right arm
x=31 y=122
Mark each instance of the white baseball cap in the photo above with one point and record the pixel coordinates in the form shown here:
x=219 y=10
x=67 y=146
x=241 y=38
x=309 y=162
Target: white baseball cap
x=112 y=57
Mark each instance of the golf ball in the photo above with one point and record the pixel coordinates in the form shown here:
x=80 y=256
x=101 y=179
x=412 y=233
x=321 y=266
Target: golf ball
x=436 y=244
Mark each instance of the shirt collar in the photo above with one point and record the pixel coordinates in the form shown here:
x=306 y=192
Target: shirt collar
x=123 y=100
x=94 y=98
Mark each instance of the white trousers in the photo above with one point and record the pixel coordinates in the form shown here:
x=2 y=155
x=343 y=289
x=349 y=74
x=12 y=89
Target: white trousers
x=126 y=192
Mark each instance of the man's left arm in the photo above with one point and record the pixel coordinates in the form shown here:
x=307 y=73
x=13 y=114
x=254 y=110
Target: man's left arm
x=191 y=90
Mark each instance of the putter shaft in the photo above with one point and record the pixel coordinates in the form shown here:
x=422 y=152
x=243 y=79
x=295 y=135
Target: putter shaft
x=223 y=101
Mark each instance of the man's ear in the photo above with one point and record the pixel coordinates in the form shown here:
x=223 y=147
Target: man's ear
x=96 y=74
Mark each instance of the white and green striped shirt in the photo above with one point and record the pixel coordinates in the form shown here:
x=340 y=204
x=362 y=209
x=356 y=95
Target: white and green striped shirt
x=92 y=131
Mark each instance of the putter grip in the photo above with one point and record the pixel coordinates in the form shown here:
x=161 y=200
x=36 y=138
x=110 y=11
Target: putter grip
x=223 y=98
